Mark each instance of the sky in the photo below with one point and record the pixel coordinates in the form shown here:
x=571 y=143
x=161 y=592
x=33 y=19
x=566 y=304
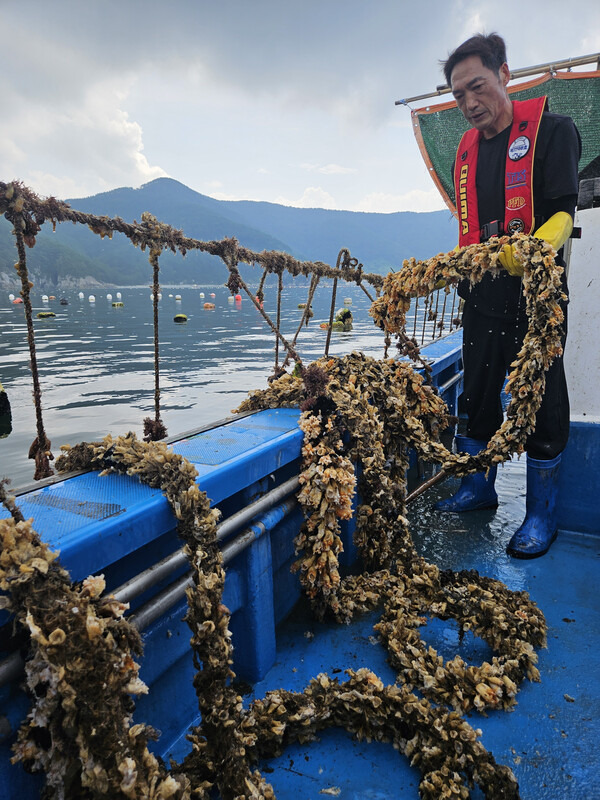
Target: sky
x=285 y=101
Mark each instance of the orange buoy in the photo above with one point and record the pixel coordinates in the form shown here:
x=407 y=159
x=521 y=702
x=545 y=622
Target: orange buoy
x=238 y=297
x=17 y=300
x=209 y=305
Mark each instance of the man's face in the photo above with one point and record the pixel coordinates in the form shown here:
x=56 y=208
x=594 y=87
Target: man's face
x=481 y=95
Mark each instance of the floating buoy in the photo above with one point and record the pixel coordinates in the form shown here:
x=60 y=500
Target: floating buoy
x=324 y=325
x=343 y=320
x=52 y=297
x=45 y=314
x=170 y=295
x=44 y=298
x=81 y=295
x=92 y=299
x=201 y=294
x=118 y=295
x=212 y=294
x=209 y=305
x=64 y=301
x=117 y=304
x=180 y=318
x=159 y=295
x=11 y=297
x=178 y=297
x=238 y=297
x=109 y=296
x=229 y=298
x=301 y=305
x=17 y=300
x=347 y=301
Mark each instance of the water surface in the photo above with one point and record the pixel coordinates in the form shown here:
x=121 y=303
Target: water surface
x=96 y=362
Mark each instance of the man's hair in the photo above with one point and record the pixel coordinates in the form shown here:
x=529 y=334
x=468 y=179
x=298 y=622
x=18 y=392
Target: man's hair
x=490 y=49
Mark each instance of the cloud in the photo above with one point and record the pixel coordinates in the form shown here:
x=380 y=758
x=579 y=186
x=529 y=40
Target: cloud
x=312 y=197
x=96 y=96
x=336 y=169
x=328 y=169
x=416 y=200
x=85 y=145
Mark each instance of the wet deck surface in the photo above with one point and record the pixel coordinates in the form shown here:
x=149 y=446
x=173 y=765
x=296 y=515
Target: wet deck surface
x=549 y=742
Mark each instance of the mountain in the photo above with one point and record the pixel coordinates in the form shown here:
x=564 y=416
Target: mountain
x=73 y=256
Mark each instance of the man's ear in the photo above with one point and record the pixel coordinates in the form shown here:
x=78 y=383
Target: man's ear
x=504 y=74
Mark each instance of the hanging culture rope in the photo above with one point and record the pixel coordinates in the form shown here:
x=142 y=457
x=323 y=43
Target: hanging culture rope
x=354 y=409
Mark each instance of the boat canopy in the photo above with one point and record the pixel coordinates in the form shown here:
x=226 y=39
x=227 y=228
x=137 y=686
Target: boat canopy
x=439 y=128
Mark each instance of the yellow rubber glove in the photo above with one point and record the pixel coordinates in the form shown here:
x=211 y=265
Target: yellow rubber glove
x=555 y=231
x=442 y=282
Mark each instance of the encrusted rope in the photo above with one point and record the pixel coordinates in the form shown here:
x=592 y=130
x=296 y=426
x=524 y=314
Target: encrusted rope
x=341 y=255
x=40 y=448
x=355 y=409
x=37 y=211
x=441 y=743
x=154 y=429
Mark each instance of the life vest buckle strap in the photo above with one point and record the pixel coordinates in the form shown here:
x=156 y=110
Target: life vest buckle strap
x=494 y=228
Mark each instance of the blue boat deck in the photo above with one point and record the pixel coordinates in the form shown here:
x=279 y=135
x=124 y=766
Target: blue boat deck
x=550 y=738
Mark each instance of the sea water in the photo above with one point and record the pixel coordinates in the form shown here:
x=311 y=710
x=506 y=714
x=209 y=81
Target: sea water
x=96 y=361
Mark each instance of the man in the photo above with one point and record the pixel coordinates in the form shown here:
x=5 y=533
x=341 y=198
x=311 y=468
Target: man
x=515 y=171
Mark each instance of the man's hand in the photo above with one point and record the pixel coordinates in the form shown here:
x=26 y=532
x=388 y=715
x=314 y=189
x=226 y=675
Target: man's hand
x=442 y=281
x=555 y=231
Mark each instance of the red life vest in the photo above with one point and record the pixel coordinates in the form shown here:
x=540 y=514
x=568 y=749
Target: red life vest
x=519 y=214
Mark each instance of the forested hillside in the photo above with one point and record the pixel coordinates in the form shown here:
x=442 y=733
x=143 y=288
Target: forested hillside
x=74 y=256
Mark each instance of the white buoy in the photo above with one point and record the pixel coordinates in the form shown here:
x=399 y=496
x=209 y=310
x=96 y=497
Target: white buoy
x=201 y=294
x=212 y=294
x=44 y=298
x=230 y=298
x=81 y=295
x=109 y=296
x=178 y=297
x=118 y=295
x=11 y=297
x=92 y=299
x=170 y=295
x=160 y=295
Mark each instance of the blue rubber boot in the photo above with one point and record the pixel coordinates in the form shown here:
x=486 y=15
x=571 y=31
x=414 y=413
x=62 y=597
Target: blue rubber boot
x=538 y=530
x=475 y=492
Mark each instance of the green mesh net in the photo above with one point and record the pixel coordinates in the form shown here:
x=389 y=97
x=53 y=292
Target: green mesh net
x=579 y=98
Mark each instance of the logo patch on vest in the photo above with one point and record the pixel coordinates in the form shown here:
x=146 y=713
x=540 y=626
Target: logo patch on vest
x=514 y=179
x=519 y=148
x=462 y=188
x=515 y=225
x=515 y=203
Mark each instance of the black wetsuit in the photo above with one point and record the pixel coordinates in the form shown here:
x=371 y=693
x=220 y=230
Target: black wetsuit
x=494 y=319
